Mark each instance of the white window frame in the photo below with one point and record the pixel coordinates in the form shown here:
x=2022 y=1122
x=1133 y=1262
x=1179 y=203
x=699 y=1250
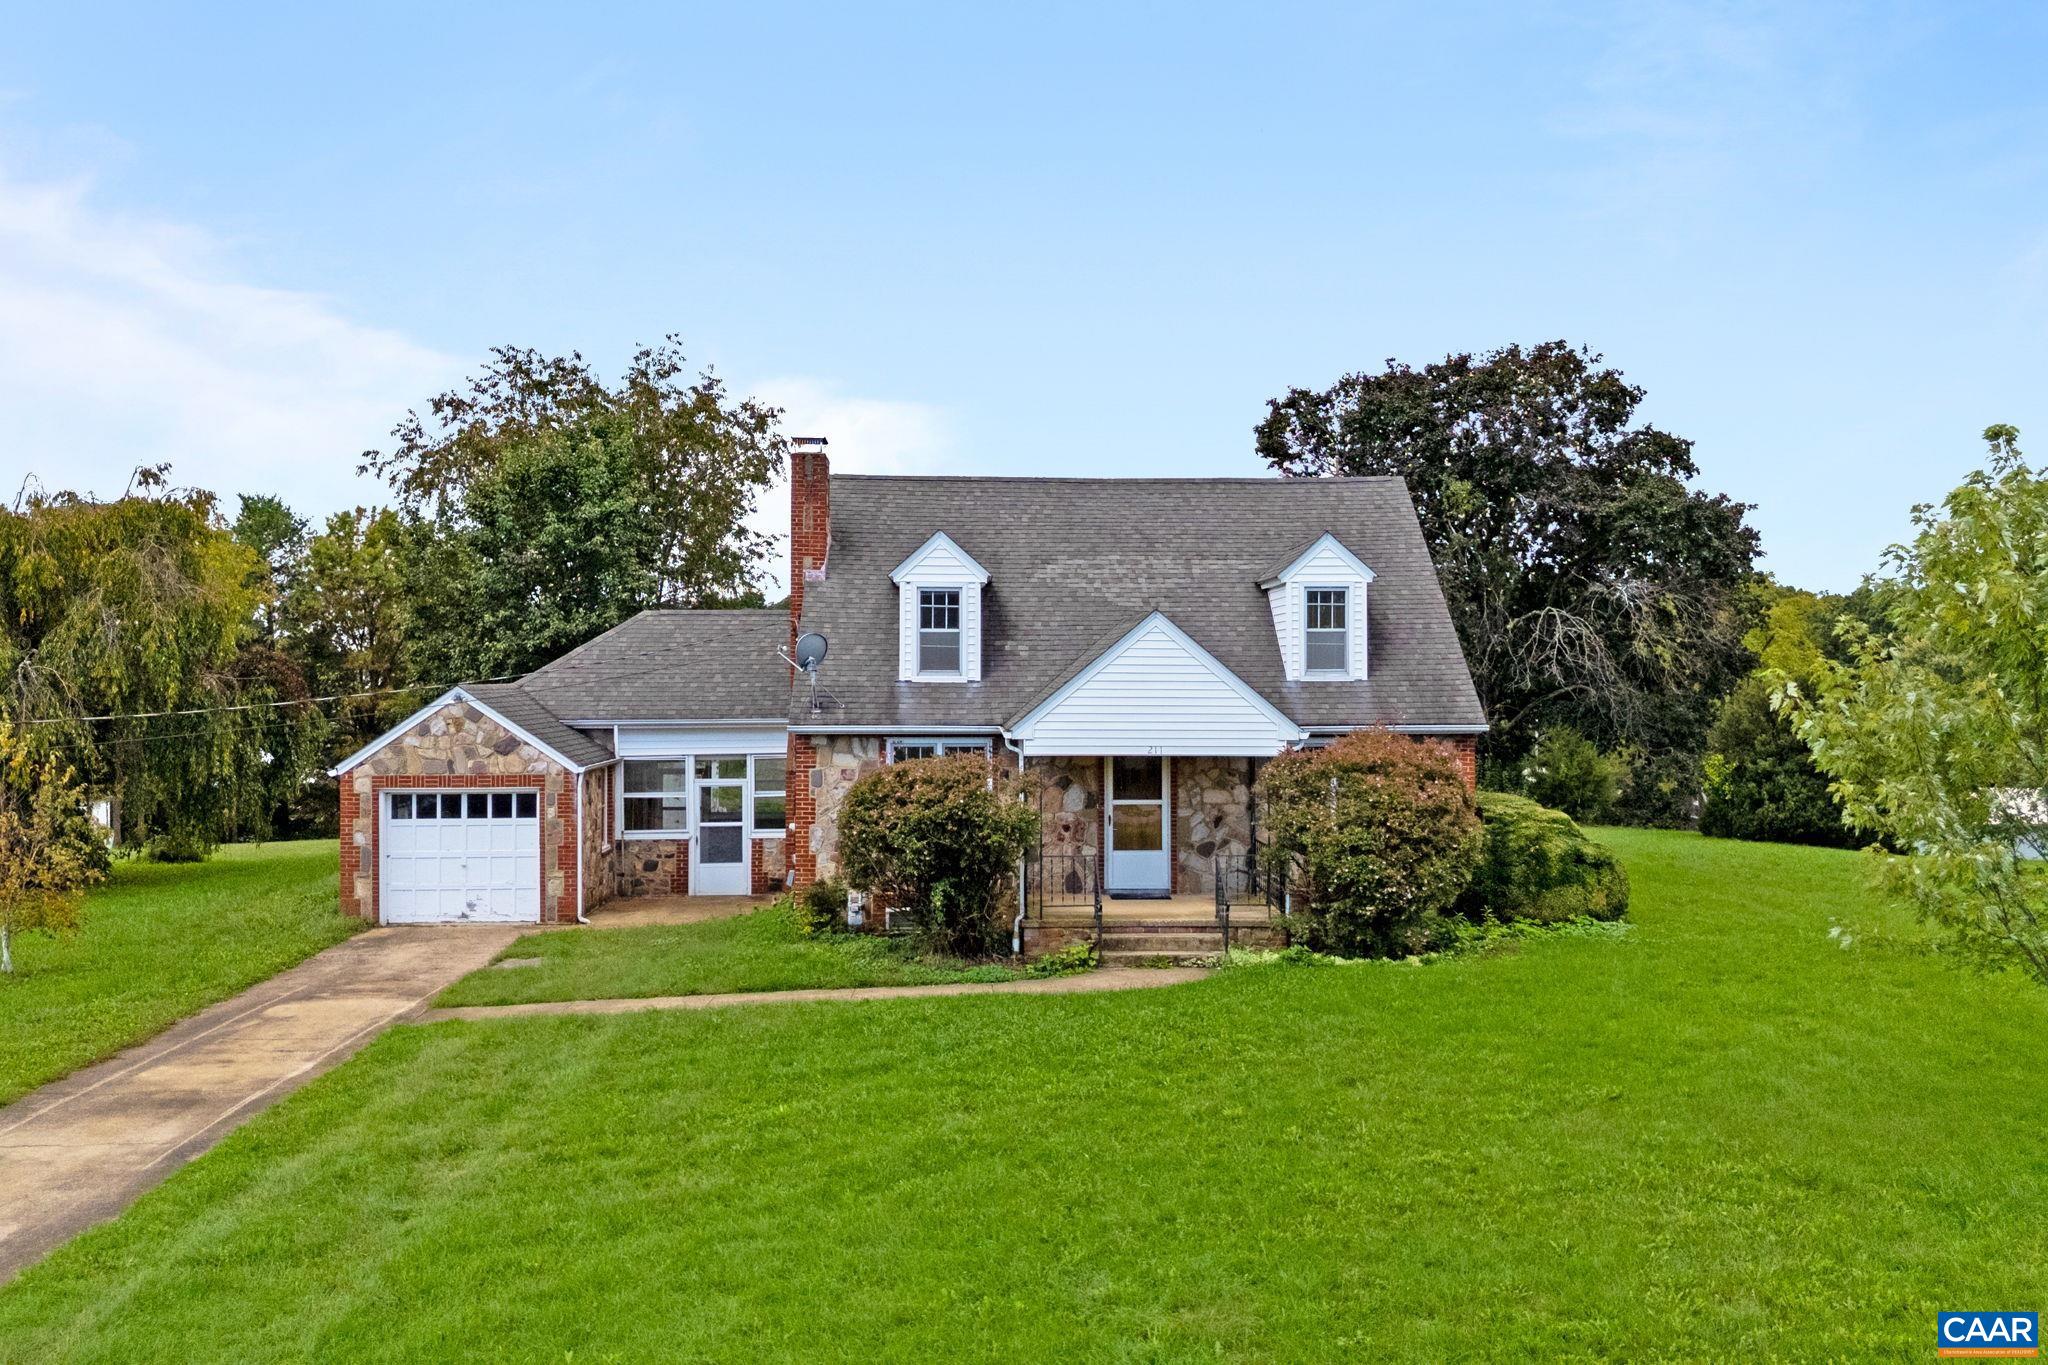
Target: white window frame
x=688 y=793
x=1346 y=671
x=755 y=791
x=959 y=633
x=942 y=747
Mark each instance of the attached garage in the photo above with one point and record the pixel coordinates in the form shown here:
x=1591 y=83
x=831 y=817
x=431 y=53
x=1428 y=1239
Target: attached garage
x=479 y=807
x=448 y=856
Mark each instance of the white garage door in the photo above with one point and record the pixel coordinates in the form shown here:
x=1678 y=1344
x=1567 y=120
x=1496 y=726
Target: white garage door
x=459 y=856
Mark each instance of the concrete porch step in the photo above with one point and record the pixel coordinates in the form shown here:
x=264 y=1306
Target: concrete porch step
x=1174 y=957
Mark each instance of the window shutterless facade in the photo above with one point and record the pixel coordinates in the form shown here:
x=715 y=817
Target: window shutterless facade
x=903 y=750
x=938 y=630
x=1326 y=630
x=656 y=797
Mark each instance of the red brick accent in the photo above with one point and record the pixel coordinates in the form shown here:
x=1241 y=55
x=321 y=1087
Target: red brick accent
x=1172 y=813
x=1465 y=748
x=810 y=522
x=679 y=877
x=757 y=869
x=802 y=802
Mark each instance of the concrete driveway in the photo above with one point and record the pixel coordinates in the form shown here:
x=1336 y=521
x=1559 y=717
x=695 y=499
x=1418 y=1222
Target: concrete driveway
x=79 y=1150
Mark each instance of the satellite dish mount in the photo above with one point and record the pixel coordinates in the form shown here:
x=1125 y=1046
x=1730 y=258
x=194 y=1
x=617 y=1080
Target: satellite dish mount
x=810 y=652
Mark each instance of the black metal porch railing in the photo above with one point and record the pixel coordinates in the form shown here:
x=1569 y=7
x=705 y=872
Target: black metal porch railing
x=1257 y=877
x=1069 y=882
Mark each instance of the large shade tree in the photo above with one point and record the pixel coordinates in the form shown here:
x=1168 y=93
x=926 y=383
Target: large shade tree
x=129 y=650
x=1590 y=585
x=543 y=506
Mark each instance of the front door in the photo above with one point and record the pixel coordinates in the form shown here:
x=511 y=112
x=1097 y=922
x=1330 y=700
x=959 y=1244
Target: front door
x=1138 y=828
x=718 y=850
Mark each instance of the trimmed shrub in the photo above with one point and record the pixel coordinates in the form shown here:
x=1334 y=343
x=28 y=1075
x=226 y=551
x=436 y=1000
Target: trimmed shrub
x=940 y=837
x=1380 y=832
x=1566 y=772
x=1539 y=866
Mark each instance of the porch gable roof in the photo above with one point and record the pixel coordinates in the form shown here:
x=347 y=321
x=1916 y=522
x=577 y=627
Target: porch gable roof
x=1152 y=690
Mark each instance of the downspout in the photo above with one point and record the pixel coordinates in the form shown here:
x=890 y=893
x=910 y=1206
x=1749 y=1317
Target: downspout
x=581 y=918
x=1023 y=889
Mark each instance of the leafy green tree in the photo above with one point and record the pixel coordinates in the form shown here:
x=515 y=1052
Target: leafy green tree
x=647 y=486
x=278 y=536
x=144 y=609
x=1936 y=732
x=1591 y=587
x=44 y=864
x=348 y=614
x=1760 y=778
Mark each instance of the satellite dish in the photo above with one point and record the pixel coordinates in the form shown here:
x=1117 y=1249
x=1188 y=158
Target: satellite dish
x=810 y=651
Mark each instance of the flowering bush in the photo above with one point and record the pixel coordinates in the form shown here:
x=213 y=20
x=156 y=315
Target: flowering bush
x=1382 y=833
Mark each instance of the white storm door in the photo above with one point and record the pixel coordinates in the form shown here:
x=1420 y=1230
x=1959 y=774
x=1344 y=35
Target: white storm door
x=718 y=846
x=447 y=857
x=1139 y=828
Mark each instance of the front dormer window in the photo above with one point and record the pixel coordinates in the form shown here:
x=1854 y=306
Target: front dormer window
x=1318 y=595
x=938 y=630
x=939 y=595
x=1326 y=630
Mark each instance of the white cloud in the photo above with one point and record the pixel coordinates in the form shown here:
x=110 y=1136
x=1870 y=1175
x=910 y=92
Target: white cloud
x=864 y=436
x=127 y=341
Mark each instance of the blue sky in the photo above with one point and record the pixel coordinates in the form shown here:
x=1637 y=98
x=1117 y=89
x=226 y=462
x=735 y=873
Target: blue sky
x=1030 y=239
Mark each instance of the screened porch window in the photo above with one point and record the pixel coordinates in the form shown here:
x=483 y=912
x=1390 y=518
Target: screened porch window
x=657 y=796
x=938 y=630
x=1327 y=630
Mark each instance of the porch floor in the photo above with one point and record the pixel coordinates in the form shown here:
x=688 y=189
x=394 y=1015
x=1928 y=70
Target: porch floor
x=628 y=911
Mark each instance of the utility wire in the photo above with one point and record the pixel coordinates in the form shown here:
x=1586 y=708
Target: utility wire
x=257 y=705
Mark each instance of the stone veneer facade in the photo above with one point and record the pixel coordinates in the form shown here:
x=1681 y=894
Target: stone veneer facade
x=459 y=747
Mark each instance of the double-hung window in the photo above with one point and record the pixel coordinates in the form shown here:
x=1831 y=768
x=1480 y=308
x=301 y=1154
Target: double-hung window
x=770 y=794
x=938 y=630
x=656 y=794
x=1326 y=631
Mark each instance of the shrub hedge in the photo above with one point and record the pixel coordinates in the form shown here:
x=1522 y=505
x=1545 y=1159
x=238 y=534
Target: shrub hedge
x=1385 y=833
x=1539 y=866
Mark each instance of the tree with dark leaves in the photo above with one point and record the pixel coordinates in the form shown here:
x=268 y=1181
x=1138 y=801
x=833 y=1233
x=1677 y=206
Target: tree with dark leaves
x=1590 y=585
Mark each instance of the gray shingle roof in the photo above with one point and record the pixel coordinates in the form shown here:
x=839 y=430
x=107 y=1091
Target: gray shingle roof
x=1073 y=562
x=673 y=665
x=511 y=701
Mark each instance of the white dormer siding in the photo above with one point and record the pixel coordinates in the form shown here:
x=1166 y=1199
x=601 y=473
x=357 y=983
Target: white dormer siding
x=939 y=566
x=1324 y=565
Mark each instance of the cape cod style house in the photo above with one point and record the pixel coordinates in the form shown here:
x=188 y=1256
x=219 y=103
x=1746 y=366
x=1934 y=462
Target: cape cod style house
x=1144 y=643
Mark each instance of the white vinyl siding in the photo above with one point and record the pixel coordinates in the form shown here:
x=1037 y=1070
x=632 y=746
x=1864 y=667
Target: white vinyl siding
x=1156 y=692
x=941 y=565
x=1327 y=566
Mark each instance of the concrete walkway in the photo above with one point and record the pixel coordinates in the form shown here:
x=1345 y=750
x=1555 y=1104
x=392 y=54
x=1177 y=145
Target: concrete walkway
x=1114 y=979
x=79 y=1150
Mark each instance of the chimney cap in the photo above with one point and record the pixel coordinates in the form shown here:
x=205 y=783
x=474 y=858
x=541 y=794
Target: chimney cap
x=807 y=440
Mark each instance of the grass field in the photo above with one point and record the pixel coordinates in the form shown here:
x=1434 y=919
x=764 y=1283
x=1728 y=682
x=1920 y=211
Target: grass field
x=758 y=951
x=161 y=941
x=1724 y=1136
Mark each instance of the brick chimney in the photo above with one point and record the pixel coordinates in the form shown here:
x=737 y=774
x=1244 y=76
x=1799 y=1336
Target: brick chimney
x=810 y=520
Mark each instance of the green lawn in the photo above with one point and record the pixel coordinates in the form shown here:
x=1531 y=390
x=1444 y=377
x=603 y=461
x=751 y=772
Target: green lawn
x=760 y=951
x=1724 y=1136
x=161 y=941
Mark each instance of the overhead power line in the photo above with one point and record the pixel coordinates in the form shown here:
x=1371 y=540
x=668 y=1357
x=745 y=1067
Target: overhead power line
x=258 y=705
